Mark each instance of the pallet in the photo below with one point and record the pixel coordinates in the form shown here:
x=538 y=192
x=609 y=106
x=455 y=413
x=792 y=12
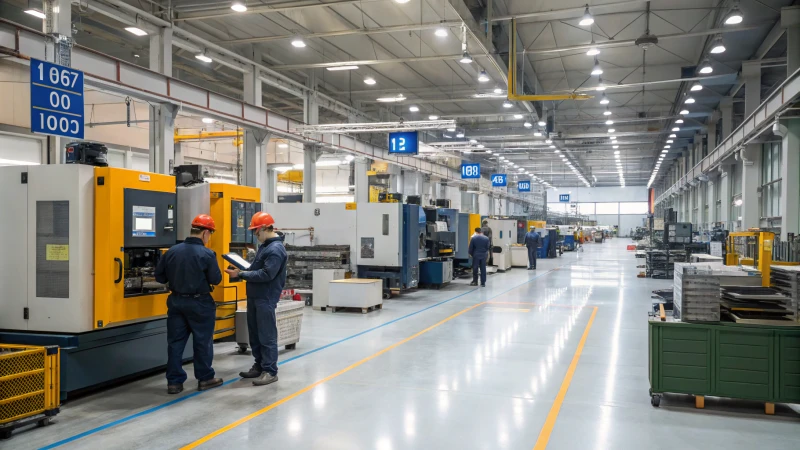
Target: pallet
x=700 y=402
x=368 y=309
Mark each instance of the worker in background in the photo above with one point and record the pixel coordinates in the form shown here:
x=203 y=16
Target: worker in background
x=265 y=279
x=532 y=239
x=479 y=247
x=486 y=231
x=190 y=269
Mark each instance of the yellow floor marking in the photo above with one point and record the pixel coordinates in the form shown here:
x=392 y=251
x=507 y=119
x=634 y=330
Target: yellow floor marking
x=274 y=405
x=549 y=424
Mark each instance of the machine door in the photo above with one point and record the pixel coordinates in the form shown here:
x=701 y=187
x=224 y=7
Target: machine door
x=14 y=245
x=241 y=213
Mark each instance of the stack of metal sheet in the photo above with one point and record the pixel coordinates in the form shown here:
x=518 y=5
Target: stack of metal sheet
x=660 y=263
x=304 y=259
x=787 y=280
x=696 y=293
x=748 y=303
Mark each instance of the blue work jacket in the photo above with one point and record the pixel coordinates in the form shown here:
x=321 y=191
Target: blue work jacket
x=479 y=246
x=190 y=268
x=532 y=239
x=267 y=274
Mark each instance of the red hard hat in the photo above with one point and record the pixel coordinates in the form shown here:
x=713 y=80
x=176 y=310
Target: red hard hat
x=204 y=221
x=261 y=219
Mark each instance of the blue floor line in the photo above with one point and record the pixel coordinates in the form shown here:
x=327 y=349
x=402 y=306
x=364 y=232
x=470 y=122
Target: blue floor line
x=280 y=363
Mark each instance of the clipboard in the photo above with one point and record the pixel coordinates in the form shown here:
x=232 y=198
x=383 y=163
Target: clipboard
x=237 y=261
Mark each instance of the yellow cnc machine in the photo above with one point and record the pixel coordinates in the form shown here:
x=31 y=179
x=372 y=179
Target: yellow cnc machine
x=232 y=207
x=134 y=225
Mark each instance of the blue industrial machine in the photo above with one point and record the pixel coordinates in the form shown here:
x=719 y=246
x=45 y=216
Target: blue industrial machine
x=548 y=247
x=441 y=226
x=569 y=243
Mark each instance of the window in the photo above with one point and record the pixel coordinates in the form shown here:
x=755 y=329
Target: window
x=633 y=208
x=586 y=209
x=771 y=179
x=607 y=208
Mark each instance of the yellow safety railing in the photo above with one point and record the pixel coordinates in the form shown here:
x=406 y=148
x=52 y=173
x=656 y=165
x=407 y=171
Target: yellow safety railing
x=29 y=381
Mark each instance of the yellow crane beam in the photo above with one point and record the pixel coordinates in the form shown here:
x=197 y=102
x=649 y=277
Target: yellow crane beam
x=237 y=134
x=512 y=78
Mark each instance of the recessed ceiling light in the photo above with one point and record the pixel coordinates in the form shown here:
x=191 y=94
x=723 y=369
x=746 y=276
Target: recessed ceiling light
x=136 y=31
x=369 y=80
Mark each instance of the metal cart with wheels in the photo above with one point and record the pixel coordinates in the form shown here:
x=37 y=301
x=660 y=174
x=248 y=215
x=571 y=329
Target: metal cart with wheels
x=289 y=315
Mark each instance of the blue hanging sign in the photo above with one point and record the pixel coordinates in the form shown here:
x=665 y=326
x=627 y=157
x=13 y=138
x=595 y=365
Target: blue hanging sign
x=56 y=100
x=563 y=198
x=524 y=185
x=470 y=170
x=499 y=180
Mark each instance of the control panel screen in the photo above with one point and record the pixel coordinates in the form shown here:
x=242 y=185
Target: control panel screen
x=144 y=220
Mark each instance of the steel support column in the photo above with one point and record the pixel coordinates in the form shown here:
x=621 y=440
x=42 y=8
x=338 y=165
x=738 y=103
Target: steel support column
x=162 y=143
x=161 y=51
x=790 y=182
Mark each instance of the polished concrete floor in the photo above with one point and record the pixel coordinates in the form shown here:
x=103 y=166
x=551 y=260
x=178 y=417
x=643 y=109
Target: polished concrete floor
x=555 y=358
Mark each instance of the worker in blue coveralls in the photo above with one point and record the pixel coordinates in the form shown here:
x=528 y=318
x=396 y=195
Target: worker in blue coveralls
x=190 y=269
x=479 y=251
x=265 y=279
x=532 y=239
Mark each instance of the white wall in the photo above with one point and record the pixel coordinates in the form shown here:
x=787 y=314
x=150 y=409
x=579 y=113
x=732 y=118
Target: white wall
x=600 y=194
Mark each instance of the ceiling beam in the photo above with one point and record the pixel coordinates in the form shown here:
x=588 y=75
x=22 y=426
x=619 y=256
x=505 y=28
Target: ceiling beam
x=291 y=6
x=360 y=32
x=369 y=62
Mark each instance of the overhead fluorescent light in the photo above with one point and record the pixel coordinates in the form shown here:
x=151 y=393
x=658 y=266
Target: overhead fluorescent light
x=338 y=68
x=441 y=32
x=283 y=145
x=238 y=6
x=298 y=42
x=36 y=13
x=208 y=120
x=399 y=98
x=433 y=117
x=136 y=31
x=370 y=81
x=203 y=57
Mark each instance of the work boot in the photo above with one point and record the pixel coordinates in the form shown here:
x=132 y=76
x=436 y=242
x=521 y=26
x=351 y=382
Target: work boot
x=173 y=389
x=209 y=384
x=474 y=283
x=254 y=372
x=483 y=285
x=265 y=379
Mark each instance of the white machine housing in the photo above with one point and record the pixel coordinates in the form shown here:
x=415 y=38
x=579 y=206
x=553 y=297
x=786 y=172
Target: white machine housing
x=381 y=226
x=47 y=263
x=333 y=224
x=504 y=233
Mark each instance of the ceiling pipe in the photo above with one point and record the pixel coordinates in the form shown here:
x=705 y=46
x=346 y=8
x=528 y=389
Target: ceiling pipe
x=368 y=62
x=217 y=13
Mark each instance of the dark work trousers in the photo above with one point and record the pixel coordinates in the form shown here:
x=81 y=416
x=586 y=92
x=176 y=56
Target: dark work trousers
x=263 y=328
x=195 y=316
x=532 y=257
x=479 y=263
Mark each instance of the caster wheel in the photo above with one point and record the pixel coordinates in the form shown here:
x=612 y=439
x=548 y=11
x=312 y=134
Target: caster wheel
x=655 y=400
x=5 y=434
x=44 y=422
x=387 y=295
x=242 y=349
x=291 y=346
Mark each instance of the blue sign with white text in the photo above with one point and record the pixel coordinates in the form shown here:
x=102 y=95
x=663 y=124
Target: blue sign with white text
x=499 y=180
x=470 y=170
x=524 y=186
x=404 y=142
x=56 y=100
x=563 y=198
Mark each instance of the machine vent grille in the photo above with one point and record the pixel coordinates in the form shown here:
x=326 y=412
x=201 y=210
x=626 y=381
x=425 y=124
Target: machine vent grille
x=52 y=249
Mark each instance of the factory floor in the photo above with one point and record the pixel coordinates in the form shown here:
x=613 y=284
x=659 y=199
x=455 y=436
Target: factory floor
x=552 y=358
